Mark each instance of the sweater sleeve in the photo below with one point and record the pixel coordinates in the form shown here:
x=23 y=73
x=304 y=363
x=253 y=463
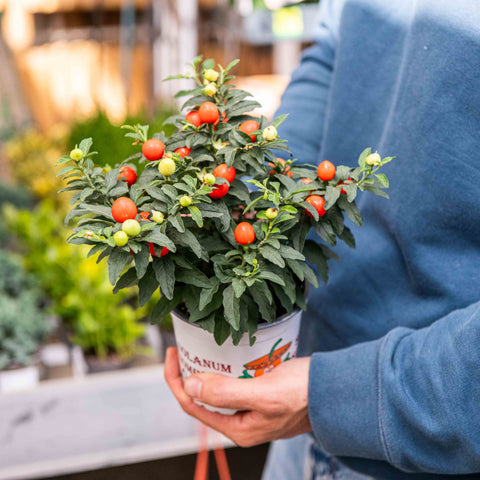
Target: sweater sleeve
x=305 y=99
x=410 y=398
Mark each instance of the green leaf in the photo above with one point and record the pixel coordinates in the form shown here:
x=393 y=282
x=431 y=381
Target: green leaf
x=221 y=331
x=85 y=146
x=164 y=269
x=273 y=277
x=252 y=204
x=317 y=254
x=193 y=277
x=188 y=239
x=351 y=190
x=128 y=279
x=383 y=179
x=238 y=286
x=335 y=216
x=331 y=196
x=231 y=307
x=192 y=301
x=286 y=302
x=142 y=259
x=351 y=210
x=165 y=306
x=279 y=120
x=146 y=287
x=208 y=323
x=289 y=209
x=271 y=255
x=347 y=237
x=231 y=65
x=363 y=157
x=243 y=107
x=159 y=238
x=196 y=215
x=177 y=222
x=324 y=230
x=303 y=271
x=64 y=159
x=95 y=249
x=66 y=170
x=98 y=210
x=116 y=262
x=289 y=252
x=206 y=295
x=264 y=305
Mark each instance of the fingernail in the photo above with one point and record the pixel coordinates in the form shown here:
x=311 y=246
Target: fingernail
x=193 y=387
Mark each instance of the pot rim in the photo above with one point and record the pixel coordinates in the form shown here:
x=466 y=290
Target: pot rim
x=261 y=326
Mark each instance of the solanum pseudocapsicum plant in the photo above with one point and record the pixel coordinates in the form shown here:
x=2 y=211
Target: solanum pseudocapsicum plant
x=215 y=219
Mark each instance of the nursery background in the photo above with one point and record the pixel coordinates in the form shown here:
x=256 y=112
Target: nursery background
x=92 y=402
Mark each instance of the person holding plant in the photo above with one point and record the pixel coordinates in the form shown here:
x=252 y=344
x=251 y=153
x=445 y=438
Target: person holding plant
x=389 y=383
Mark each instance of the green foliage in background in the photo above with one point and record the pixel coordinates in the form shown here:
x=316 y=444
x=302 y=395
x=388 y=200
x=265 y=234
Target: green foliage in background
x=23 y=325
x=77 y=286
x=17 y=196
x=112 y=148
x=31 y=158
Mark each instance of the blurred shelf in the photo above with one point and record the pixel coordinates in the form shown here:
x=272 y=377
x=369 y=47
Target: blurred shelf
x=102 y=420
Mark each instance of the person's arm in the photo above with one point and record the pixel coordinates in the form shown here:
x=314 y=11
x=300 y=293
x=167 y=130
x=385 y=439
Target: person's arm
x=410 y=398
x=305 y=99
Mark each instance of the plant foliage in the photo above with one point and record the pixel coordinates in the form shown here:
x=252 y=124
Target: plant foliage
x=227 y=288
x=23 y=325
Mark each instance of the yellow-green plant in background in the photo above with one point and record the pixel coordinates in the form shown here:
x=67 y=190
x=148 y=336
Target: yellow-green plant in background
x=32 y=158
x=78 y=287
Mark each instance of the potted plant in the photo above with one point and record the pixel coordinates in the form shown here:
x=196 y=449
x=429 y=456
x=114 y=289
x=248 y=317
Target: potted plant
x=23 y=326
x=212 y=217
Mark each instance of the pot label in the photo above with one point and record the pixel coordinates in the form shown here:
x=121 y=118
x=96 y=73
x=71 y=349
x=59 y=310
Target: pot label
x=194 y=364
x=267 y=362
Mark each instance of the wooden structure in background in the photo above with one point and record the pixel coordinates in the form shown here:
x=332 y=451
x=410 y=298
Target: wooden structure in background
x=75 y=56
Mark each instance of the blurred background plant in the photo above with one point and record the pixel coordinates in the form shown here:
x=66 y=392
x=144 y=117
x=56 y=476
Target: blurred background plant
x=23 y=324
x=31 y=158
x=77 y=288
x=14 y=195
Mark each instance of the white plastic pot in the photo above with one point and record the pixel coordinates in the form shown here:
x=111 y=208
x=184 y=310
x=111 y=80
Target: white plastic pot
x=18 y=379
x=198 y=352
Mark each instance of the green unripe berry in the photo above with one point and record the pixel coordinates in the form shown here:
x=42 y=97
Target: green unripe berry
x=131 y=227
x=166 y=166
x=158 y=217
x=270 y=133
x=210 y=90
x=211 y=75
x=271 y=213
x=121 y=238
x=76 y=154
x=374 y=159
x=209 y=179
x=185 y=201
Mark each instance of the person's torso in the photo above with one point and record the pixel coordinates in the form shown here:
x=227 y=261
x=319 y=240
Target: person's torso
x=406 y=82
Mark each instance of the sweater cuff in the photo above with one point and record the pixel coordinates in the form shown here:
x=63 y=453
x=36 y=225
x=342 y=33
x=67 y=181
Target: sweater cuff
x=343 y=398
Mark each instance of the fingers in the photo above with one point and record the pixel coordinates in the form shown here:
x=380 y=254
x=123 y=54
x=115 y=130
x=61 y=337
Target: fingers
x=221 y=391
x=237 y=427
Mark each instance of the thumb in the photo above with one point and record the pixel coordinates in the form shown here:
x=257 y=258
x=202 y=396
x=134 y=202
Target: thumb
x=221 y=391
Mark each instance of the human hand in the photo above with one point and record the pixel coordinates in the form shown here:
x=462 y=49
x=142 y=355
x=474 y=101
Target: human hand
x=270 y=407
